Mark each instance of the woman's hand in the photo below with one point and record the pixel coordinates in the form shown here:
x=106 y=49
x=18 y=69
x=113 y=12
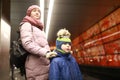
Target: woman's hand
x=51 y=54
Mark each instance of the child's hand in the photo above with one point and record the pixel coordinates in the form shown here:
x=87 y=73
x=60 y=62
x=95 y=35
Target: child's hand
x=51 y=54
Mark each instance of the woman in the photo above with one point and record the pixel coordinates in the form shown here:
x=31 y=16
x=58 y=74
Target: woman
x=34 y=41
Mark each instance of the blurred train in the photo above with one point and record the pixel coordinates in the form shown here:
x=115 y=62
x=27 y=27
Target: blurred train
x=97 y=50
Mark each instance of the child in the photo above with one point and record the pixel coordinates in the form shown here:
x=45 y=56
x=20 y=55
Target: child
x=64 y=66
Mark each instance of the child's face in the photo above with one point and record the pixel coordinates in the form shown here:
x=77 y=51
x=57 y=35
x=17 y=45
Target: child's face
x=66 y=47
x=35 y=13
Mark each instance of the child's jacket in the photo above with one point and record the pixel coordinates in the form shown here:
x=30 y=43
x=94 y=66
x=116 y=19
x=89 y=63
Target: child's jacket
x=64 y=67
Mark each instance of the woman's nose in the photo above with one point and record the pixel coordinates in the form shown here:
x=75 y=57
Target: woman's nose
x=37 y=12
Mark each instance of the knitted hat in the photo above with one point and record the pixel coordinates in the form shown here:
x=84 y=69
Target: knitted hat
x=31 y=8
x=63 y=36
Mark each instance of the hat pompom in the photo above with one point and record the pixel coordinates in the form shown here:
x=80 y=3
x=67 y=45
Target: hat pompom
x=62 y=33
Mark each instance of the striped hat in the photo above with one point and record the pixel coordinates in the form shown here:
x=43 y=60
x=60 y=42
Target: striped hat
x=63 y=36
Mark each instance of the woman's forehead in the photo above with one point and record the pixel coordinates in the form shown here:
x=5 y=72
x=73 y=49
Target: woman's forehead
x=36 y=9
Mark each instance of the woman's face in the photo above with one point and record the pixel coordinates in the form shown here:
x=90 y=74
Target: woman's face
x=35 y=13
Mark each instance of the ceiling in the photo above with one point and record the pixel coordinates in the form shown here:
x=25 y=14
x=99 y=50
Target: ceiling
x=74 y=15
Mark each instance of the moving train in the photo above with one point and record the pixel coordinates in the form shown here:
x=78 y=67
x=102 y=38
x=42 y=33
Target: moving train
x=97 y=50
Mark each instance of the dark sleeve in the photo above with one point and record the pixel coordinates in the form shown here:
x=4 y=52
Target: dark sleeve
x=54 y=73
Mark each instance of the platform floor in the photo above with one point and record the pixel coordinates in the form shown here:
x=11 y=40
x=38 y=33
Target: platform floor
x=17 y=76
